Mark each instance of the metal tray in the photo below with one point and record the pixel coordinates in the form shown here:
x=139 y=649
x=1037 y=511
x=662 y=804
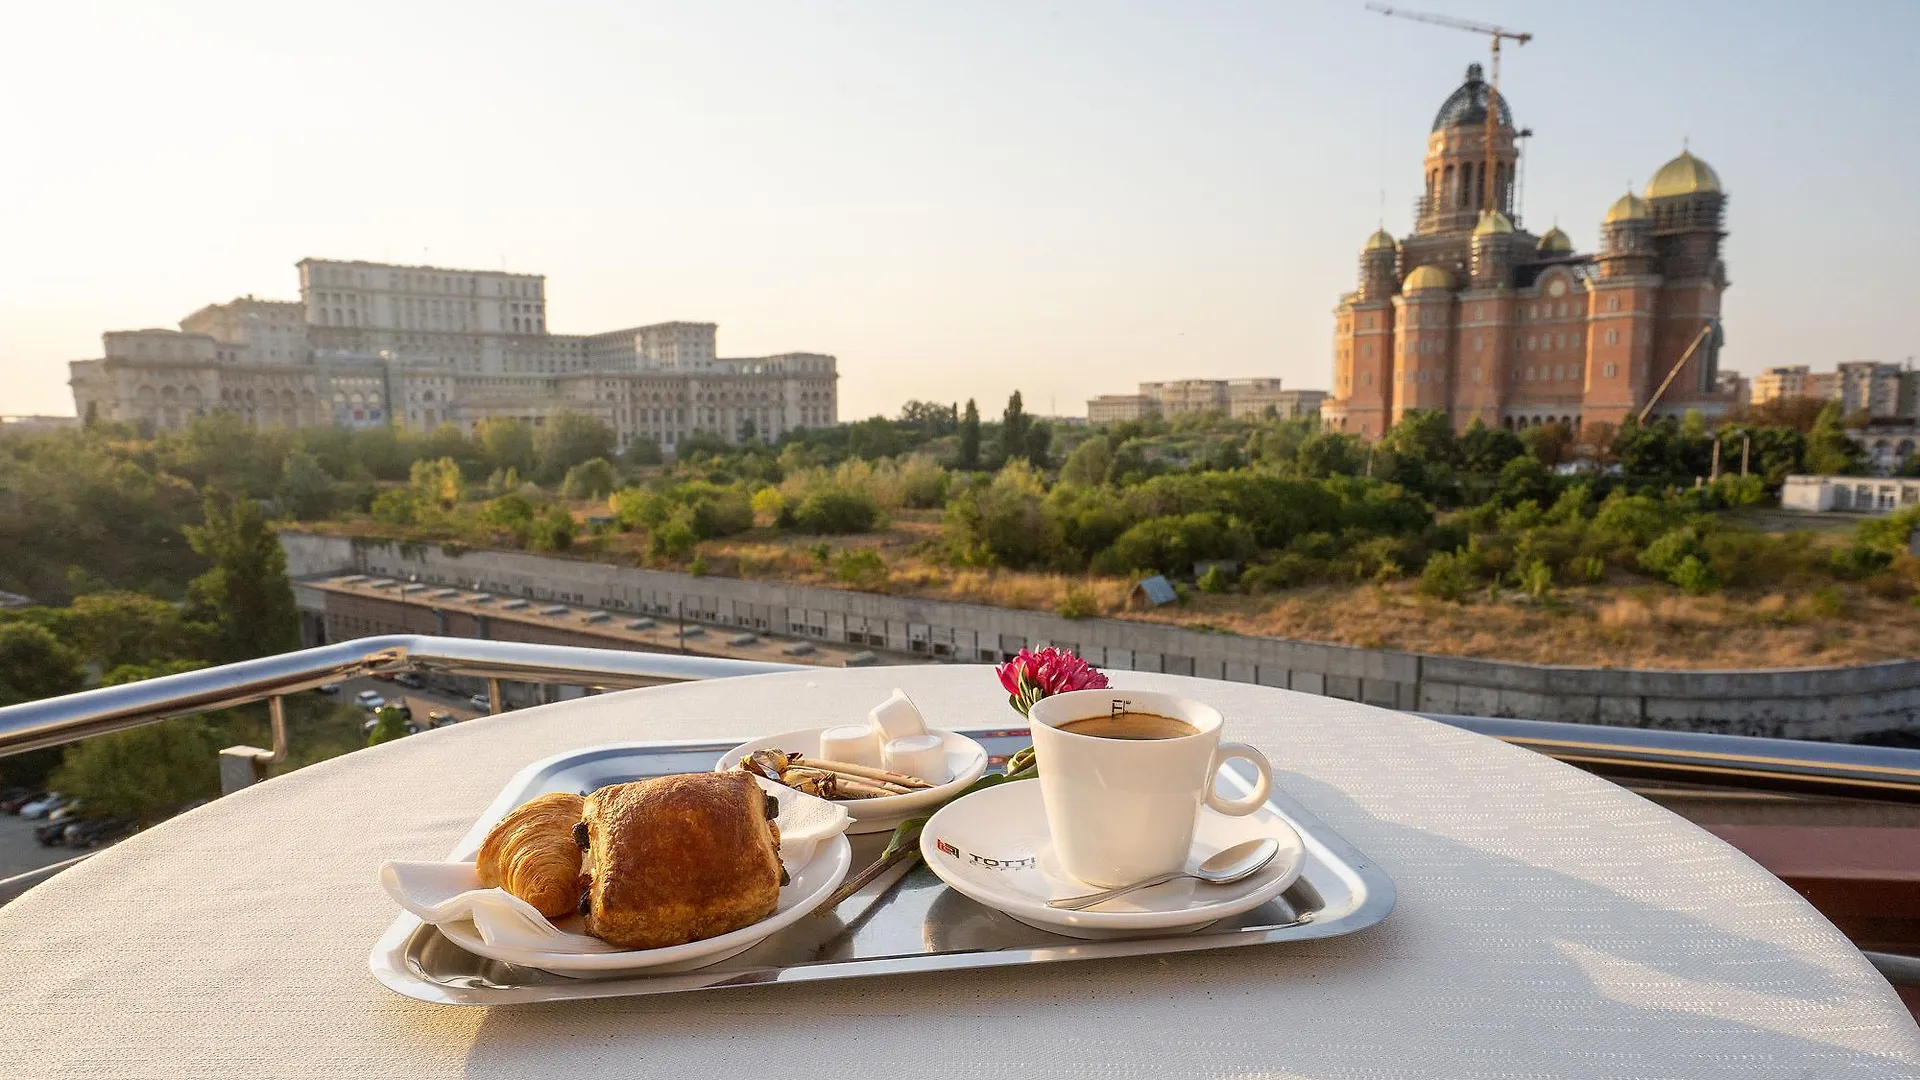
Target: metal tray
x=904 y=921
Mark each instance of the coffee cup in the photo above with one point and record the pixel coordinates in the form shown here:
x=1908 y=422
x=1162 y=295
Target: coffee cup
x=1124 y=774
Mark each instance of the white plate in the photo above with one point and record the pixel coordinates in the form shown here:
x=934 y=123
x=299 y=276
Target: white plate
x=804 y=892
x=993 y=847
x=966 y=762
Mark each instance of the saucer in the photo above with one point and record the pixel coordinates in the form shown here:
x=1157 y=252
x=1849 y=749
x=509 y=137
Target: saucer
x=966 y=762
x=994 y=847
x=808 y=887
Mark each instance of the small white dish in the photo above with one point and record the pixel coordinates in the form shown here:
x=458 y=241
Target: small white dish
x=966 y=762
x=806 y=889
x=993 y=847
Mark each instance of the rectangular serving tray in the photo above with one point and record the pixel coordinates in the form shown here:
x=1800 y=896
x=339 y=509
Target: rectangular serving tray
x=902 y=922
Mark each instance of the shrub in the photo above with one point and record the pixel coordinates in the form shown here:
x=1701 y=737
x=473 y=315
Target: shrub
x=1002 y=523
x=388 y=725
x=699 y=567
x=1537 y=579
x=862 y=568
x=591 y=479
x=923 y=483
x=1589 y=567
x=1215 y=580
x=768 y=505
x=552 y=531
x=1856 y=561
x=396 y=507
x=1287 y=570
x=1694 y=576
x=1079 y=603
x=721 y=512
x=1664 y=555
x=1447 y=576
x=836 y=511
x=675 y=537
x=1172 y=545
x=510 y=511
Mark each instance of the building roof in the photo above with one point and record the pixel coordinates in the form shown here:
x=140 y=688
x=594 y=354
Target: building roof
x=1427 y=277
x=1556 y=240
x=1628 y=207
x=1467 y=106
x=1684 y=175
x=1492 y=223
x=1381 y=240
x=1157 y=589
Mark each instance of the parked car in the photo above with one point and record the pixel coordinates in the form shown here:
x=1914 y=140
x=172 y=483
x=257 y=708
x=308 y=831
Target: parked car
x=374 y=703
x=92 y=834
x=438 y=718
x=12 y=799
x=479 y=701
x=327 y=688
x=69 y=813
x=51 y=834
x=372 y=722
x=44 y=805
x=410 y=680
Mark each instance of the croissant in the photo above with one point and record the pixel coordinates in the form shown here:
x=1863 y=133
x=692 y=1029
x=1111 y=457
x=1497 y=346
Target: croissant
x=680 y=858
x=531 y=853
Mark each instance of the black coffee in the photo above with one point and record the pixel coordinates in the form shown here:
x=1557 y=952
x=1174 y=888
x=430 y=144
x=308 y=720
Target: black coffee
x=1138 y=726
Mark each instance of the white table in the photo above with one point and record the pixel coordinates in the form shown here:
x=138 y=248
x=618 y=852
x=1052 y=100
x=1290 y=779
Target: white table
x=1549 y=924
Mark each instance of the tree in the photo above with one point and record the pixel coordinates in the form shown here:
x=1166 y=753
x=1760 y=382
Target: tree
x=929 y=418
x=568 y=439
x=245 y=599
x=388 y=725
x=1089 y=463
x=506 y=444
x=34 y=664
x=112 y=629
x=1331 y=453
x=589 y=480
x=1829 y=451
x=144 y=773
x=552 y=531
x=437 y=481
x=1040 y=443
x=1014 y=424
x=1550 y=443
x=1486 y=450
x=970 y=438
x=1798 y=413
x=642 y=451
x=305 y=488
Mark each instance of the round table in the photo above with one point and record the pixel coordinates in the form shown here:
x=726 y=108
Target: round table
x=1549 y=924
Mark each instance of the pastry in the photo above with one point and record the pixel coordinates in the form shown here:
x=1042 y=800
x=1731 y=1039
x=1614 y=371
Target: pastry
x=680 y=858
x=532 y=854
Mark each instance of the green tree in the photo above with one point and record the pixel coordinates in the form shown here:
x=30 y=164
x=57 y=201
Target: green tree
x=1829 y=451
x=35 y=664
x=397 y=506
x=969 y=459
x=305 y=488
x=388 y=724
x=1089 y=463
x=1040 y=443
x=642 y=451
x=551 y=531
x=245 y=598
x=506 y=444
x=1332 y=453
x=568 y=439
x=1014 y=425
x=144 y=773
x=1486 y=450
x=437 y=481
x=111 y=629
x=592 y=479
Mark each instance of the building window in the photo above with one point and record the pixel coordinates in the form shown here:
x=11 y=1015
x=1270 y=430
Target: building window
x=1530 y=344
x=1610 y=370
x=1613 y=337
x=1613 y=303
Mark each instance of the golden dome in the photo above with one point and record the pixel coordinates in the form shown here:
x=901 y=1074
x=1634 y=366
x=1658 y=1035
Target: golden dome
x=1492 y=223
x=1684 y=175
x=1628 y=207
x=1555 y=240
x=1381 y=240
x=1427 y=277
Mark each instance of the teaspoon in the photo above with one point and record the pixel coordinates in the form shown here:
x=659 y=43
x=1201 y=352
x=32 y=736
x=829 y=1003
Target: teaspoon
x=1236 y=863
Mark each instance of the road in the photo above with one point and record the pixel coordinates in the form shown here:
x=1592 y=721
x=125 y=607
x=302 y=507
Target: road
x=421 y=702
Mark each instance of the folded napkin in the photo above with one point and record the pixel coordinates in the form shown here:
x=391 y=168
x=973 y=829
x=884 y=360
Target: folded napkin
x=449 y=892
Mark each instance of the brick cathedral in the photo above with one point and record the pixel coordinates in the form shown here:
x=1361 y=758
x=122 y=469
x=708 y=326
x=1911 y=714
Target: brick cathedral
x=1476 y=317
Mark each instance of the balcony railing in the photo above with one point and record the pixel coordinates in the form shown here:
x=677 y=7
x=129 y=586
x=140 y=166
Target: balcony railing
x=1774 y=766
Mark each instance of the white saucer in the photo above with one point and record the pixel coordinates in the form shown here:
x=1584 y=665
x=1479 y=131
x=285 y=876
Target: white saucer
x=966 y=762
x=993 y=847
x=804 y=892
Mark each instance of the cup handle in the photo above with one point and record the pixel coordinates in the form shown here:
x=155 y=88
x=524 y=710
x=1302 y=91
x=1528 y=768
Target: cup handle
x=1254 y=799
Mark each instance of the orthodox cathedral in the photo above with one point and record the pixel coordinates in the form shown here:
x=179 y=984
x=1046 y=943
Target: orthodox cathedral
x=1476 y=317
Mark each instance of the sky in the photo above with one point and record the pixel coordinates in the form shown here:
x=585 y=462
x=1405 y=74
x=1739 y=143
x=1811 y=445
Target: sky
x=957 y=200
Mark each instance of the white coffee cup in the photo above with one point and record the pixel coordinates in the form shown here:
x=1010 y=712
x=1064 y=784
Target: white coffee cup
x=1121 y=810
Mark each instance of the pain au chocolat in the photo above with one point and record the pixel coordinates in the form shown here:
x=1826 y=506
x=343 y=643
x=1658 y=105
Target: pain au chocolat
x=679 y=858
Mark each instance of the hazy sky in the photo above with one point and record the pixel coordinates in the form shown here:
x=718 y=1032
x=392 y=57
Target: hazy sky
x=956 y=199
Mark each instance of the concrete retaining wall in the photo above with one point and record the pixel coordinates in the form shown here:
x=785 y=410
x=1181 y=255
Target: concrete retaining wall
x=1821 y=703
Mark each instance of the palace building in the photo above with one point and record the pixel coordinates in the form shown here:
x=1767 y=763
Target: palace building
x=1474 y=316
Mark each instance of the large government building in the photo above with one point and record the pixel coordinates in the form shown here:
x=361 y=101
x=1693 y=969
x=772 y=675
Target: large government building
x=1474 y=316
x=419 y=346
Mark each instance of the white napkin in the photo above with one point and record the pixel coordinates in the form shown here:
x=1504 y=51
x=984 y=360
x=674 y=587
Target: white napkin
x=448 y=892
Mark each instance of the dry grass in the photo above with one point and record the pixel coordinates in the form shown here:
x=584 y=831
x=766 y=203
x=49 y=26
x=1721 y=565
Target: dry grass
x=1637 y=624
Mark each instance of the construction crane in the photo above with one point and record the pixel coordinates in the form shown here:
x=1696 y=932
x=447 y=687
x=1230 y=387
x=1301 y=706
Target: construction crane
x=1705 y=334
x=1494 y=35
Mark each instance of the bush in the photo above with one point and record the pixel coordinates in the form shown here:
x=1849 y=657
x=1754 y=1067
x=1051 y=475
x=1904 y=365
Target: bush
x=1287 y=570
x=396 y=507
x=511 y=511
x=836 y=512
x=719 y=512
x=768 y=505
x=552 y=531
x=1856 y=561
x=1079 y=603
x=1537 y=579
x=923 y=483
x=699 y=567
x=1215 y=580
x=675 y=537
x=1002 y=523
x=862 y=568
x=1664 y=555
x=1447 y=576
x=1694 y=576
x=591 y=479
x=388 y=724
x=1172 y=545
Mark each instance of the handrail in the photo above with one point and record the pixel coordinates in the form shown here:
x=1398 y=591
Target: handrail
x=1744 y=761
x=59 y=720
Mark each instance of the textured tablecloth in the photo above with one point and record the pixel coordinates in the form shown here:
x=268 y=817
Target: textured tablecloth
x=1549 y=925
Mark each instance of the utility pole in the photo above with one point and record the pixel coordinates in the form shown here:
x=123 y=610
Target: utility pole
x=1746 y=450
x=1714 y=472
x=681 y=608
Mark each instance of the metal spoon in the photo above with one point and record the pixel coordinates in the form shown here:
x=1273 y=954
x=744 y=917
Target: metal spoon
x=1236 y=863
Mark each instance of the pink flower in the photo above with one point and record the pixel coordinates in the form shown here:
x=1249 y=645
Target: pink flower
x=1030 y=676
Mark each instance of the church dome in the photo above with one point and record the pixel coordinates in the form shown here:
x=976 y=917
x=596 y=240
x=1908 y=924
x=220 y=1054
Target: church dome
x=1467 y=106
x=1628 y=207
x=1684 y=175
x=1381 y=240
x=1427 y=277
x=1556 y=240
x=1493 y=223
